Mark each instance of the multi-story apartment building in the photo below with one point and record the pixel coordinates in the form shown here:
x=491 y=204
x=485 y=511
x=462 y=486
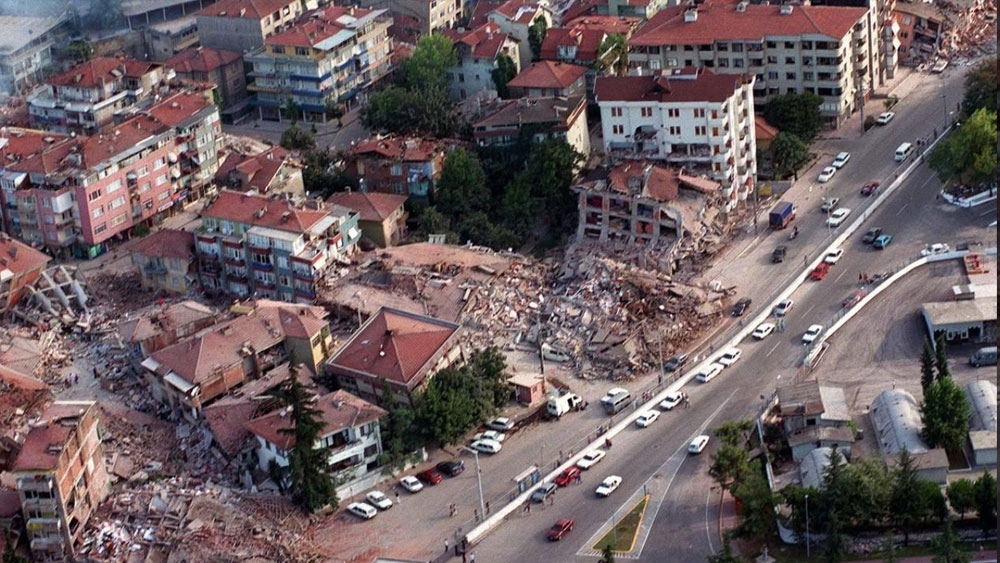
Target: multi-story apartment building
x=26 y=50
x=414 y=18
x=826 y=50
x=165 y=39
x=243 y=25
x=884 y=57
x=583 y=41
x=643 y=9
x=61 y=478
x=544 y=118
x=515 y=18
x=688 y=117
x=258 y=245
x=20 y=266
x=165 y=261
x=196 y=132
x=323 y=59
x=396 y=165
x=88 y=96
x=159 y=326
x=220 y=67
x=478 y=50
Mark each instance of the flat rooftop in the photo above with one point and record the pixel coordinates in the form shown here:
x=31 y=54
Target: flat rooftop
x=18 y=31
x=960 y=312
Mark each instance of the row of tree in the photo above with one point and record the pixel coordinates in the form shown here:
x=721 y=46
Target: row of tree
x=798 y=120
x=969 y=154
x=944 y=409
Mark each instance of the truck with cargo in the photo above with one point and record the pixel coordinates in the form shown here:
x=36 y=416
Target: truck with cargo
x=562 y=404
x=781 y=215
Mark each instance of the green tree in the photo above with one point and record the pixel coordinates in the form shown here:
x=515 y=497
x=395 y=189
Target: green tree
x=462 y=186
x=607 y=554
x=312 y=487
x=400 y=110
x=615 y=55
x=725 y=555
x=730 y=466
x=321 y=176
x=432 y=57
x=797 y=114
x=296 y=138
x=870 y=486
x=489 y=367
x=292 y=110
x=926 y=365
x=945 y=413
x=981 y=88
x=505 y=70
x=986 y=502
x=935 y=505
x=734 y=432
x=552 y=166
x=946 y=546
x=889 y=549
x=907 y=508
x=962 y=496
x=788 y=153
x=758 y=521
x=433 y=222
x=970 y=152
x=794 y=496
x=536 y=36
x=834 y=545
x=941 y=367
x=81 y=51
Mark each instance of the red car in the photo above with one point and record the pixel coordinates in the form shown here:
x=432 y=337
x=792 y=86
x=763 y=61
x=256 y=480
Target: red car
x=560 y=529
x=854 y=299
x=567 y=476
x=430 y=476
x=820 y=272
x=869 y=188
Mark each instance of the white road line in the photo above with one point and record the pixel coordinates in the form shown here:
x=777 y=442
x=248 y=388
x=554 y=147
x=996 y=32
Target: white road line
x=748 y=247
x=775 y=347
x=837 y=279
x=902 y=208
x=806 y=312
x=708 y=533
x=987 y=212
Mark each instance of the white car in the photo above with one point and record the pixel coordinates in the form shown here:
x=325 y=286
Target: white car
x=608 y=485
x=698 y=444
x=411 y=483
x=885 y=118
x=489 y=435
x=646 y=418
x=591 y=459
x=362 y=510
x=730 y=356
x=500 y=424
x=487 y=446
x=672 y=399
x=826 y=174
x=378 y=500
x=936 y=248
x=833 y=256
x=709 y=373
x=763 y=330
x=838 y=216
x=812 y=333
x=841 y=160
x=783 y=308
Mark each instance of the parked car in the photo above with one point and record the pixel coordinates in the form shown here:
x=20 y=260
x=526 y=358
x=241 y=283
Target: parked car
x=675 y=363
x=871 y=235
x=543 y=492
x=646 y=418
x=783 y=308
x=829 y=204
x=934 y=249
x=489 y=435
x=854 y=299
x=840 y=160
x=487 y=446
x=451 y=468
x=362 y=510
x=820 y=271
x=826 y=174
x=730 y=356
x=883 y=241
x=698 y=445
x=672 y=399
x=591 y=458
x=763 y=330
x=869 y=189
x=838 y=216
x=430 y=476
x=833 y=256
x=411 y=483
x=741 y=306
x=378 y=500
x=567 y=476
x=500 y=424
x=560 y=529
x=608 y=485
x=885 y=118
x=779 y=254
x=812 y=333
x=709 y=373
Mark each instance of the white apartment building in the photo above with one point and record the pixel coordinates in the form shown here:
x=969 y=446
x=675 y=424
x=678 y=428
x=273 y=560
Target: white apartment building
x=690 y=118
x=26 y=50
x=478 y=50
x=831 y=51
x=515 y=18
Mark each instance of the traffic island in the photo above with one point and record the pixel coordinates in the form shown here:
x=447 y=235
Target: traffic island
x=622 y=536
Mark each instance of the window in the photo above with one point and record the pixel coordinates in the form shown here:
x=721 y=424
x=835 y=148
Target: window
x=700 y=130
x=162 y=179
x=260 y=258
x=737 y=47
x=789 y=60
x=145 y=187
x=100 y=228
x=46 y=202
x=715 y=131
x=674 y=130
x=723 y=63
x=789 y=45
x=737 y=63
x=617 y=129
x=396 y=170
x=159 y=163
x=118 y=202
x=142 y=171
x=302 y=51
x=119 y=219
x=397 y=188
x=97 y=212
x=699 y=112
x=646 y=112
x=722 y=47
x=162 y=196
x=772 y=75
x=807 y=76
x=674 y=112
x=772 y=60
x=790 y=76
x=616 y=112
x=283 y=263
x=94 y=195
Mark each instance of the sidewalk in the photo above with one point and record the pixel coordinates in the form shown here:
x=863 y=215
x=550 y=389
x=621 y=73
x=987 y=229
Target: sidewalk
x=981 y=557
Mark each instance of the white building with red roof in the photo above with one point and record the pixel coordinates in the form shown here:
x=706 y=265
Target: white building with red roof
x=478 y=50
x=272 y=171
x=382 y=216
x=690 y=118
x=546 y=79
x=515 y=17
x=243 y=25
x=831 y=51
x=396 y=348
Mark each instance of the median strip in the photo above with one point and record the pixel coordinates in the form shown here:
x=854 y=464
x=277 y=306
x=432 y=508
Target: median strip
x=624 y=533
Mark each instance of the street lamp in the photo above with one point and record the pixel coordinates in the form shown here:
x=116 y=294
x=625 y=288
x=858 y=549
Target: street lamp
x=479 y=481
x=808 y=552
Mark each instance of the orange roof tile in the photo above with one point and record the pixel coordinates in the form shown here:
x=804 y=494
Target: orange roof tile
x=45 y=441
x=338 y=411
x=19 y=257
x=244 y=208
x=680 y=85
x=483 y=42
x=166 y=243
x=764 y=130
x=90 y=73
x=257 y=9
x=202 y=59
x=371 y=206
x=406 y=149
x=548 y=74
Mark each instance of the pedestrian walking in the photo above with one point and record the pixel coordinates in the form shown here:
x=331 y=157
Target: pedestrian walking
x=397 y=497
x=446 y=546
x=472 y=557
x=487 y=507
x=527 y=507
x=475 y=513
x=552 y=500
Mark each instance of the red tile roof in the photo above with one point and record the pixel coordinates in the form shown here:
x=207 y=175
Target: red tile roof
x=518 y=10
x=481 y=10
x=395 y=345
x=19 y=391
x=722 y=22
x=19 y=257
x=321 y=25
x=548 y=74
x=658 y=182
x=176 y=109
x=339 y=411
x=10 y=503
x=227 y=418
x=607 y=24
x=763 y=130
x=682 y=85
x=587 y=42
x=166 y=243
x=88 y=74
x=202 y=59
x=406 y=149
x=517 y=113
x=257 y=9
x=579 y=8
x=44 y=443
x=484 y=42
x=371 y=206
x=260 y=169
x=115 y=140
x=263 y=211
x=156 y=320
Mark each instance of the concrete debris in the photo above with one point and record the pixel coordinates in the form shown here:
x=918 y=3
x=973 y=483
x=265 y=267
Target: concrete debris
x=57 y=297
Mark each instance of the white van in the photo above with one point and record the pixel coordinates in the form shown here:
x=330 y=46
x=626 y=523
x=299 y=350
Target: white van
x=362 y=510
x=904 y=151
x=616 y=400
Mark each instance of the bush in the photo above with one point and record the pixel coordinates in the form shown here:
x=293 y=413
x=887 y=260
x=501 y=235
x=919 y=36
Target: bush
x=869 y=122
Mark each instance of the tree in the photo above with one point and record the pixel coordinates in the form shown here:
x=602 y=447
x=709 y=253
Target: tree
x=462 y=186
x=962 y=496
x=797 y=114
x=536 y=35
x=926 y=366
x=615 y=58
x=734 y=432
x=788 y=153
x=726 y=555
x=970 y=152
x=291 y=109
x=981 y=88
x=433 y=222
x=906 y=507
x=401 y=110
x=81 y=51
x=834 y=546
x=433 y=55
x=519 y=206
x=312 y=487
x=946 y=547
x=321 y=176
x=986 y=502
x=730 y=466
x=551 y=167
x=945 y=413
x=296 y=138
x=943 y=370
x=505 y=70
x=607 y=554
x=758 y=520
x=935 y=506
x=794 y=496
x=889 y=549
x=489 y=367
x=870 y=488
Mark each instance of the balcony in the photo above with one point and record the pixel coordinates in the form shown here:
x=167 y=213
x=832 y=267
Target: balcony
x=153 y=269
x=307 y=293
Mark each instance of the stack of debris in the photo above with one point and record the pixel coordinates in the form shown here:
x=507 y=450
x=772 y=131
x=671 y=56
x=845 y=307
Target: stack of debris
x=57 y=297
x=971 y=28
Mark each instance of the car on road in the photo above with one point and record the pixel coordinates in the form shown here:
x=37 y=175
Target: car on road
x=543 y=492
x=854 y=299
x=882 y=241
x=500 y=424
x=935 y=249
x=567 y=476
x=487 y=446
x=411 y=483
x=840 y=160
x=608 y=485
x=783 y=308
x=741 y=306
x=870 y=188
x=671 y=400
x=560 y=529
x=838 y=216
x=675 y=363
x=829 y=204
x=591 y=458
x=812 y=333
x=698 y=444
x=833 y=256
x=451 y=468
x=884 y=118
x=430 y=476
x=939 y=66
x=779 y=254
x=871 y=235
x=826 y=174
x=820 y=271
x=763 y=330
x=730 y=356
x=709 y=373
x=378 y=500
x=489 y=435
x=647 y=418
x=362 y=510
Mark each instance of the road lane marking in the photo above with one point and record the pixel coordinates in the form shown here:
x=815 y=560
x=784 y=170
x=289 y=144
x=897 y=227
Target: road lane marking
x=708 y=533
x=837 y=279
x=775 y=347
x=987 y=212
x=748 y=247
x=806 y=312
x=902 y=208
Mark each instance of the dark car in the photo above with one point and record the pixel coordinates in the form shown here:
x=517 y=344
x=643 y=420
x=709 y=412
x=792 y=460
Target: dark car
x=560 y=529
x=869 y=188
x=871 y=235
x=543 y=492
x=451 y=468
x=676 y=362
x=779 y=254
x=567 y=476
x=741 y=306
x=820 y=272
x=430 y=476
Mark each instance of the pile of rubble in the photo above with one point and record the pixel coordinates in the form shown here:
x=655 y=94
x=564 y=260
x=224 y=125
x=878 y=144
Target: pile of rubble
x=972 y=26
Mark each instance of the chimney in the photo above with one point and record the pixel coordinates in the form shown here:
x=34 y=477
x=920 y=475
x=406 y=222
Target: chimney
x=691 y=15
x=786 y=9
x=741 y=7
x=13 y=252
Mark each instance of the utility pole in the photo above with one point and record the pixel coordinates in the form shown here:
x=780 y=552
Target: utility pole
x=808 y=551
x=479 y=481
x=662 y=374
x=538 y=325
x=861 y=100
